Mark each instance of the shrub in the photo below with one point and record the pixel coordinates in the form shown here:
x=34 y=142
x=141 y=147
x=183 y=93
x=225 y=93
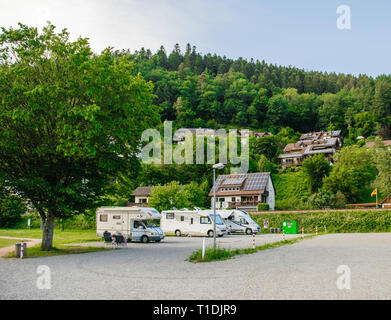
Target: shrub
x=11 y=210
x=340 y=200
x=321 y=200
x=263 y=206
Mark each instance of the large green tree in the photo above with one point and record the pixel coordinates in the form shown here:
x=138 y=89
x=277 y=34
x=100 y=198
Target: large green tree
x=316 y=168
x=70 y=121
x=353 y=172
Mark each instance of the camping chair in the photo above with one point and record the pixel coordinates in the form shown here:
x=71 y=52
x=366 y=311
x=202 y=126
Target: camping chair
x=108 y=238
x=120 y=240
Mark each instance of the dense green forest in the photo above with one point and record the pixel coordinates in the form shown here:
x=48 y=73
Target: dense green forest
x=197 y=90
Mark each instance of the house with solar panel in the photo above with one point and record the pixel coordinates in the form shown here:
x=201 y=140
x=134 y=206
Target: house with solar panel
x=244 y=191
x=324 y=142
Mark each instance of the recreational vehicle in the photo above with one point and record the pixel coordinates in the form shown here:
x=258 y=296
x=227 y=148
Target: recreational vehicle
x=194 y=223
x=238 y=221
x=134 y=223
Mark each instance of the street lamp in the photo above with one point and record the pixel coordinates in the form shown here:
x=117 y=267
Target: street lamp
x=216 y=166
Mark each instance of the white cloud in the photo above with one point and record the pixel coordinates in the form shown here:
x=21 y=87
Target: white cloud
x=122 y=23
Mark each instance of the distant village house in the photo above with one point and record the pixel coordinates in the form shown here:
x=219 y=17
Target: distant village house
x=180 y=134
x=244 y=191
x=386 y=143
x=141 y=197
x=326 y=143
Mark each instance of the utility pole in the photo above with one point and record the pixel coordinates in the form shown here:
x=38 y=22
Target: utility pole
x=216 y=166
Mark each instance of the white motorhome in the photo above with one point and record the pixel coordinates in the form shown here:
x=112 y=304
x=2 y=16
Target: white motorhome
x=134 y=223
x=238 y=221
x=194 y=223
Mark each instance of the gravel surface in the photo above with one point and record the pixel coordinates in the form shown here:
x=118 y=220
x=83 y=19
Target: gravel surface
x=305 y=270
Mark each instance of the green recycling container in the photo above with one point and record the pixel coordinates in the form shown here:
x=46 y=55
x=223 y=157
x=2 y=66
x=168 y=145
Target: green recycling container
x=290 y=227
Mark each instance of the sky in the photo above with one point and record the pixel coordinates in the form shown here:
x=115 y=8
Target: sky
x=301 y=33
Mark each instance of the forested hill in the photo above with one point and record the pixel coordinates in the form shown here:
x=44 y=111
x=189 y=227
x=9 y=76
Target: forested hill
x=199 y=90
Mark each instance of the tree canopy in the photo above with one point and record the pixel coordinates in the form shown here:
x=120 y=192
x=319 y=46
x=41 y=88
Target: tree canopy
x=70 y=120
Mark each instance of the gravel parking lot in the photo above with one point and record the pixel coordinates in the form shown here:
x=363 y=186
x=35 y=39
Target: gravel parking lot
x=305 y=270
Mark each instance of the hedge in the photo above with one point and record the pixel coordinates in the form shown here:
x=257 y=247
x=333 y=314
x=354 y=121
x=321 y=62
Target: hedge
x=335 y=221
x=263 y=206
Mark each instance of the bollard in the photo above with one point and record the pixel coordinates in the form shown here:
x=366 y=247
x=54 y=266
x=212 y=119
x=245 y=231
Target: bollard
x=325 y=230
x=283 y=235
x=203 y=248
x=253 y=240
x=21 y=249
x=316 y=228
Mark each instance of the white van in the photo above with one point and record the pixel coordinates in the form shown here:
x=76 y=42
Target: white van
x=134 y=223
x=194 y=223
x=238 y=221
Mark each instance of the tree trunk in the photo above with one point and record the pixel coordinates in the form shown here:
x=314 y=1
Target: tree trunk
x=48 y=231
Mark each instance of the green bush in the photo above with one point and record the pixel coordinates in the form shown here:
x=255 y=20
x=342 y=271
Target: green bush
x=78 y=222
x=321 y=200
x=35 y=221
x=263 y=206
x=11 y=210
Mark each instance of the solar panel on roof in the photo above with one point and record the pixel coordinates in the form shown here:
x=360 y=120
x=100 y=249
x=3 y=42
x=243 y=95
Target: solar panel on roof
x=254 y=181
x=234 y=181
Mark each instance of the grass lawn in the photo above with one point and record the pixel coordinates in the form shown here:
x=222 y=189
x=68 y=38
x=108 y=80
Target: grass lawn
x=66 y=236
x=7 y=242
x=60 y=238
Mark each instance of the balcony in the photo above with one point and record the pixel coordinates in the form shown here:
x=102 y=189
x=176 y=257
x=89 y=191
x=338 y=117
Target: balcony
x=134 y=204
x=243 y=204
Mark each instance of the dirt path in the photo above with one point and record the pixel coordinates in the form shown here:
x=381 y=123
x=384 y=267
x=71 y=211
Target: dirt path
x=6 y=250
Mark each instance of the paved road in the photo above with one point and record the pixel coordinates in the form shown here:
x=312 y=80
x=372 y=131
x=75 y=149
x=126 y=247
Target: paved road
x=305 y=270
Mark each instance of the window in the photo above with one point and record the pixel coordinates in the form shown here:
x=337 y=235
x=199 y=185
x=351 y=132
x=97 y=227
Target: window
x=182 y=218
x=233 y=199
x=116 y=217
x=243 y=221
x=191 y=221
x=170 y=216
x=205 y=220
x=103 y=218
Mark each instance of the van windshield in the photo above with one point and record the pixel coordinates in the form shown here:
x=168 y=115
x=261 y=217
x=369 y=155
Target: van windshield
x=218 y=219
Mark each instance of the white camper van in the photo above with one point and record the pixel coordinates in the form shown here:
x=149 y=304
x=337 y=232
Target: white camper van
x=195 y=223
x=134 y=223
x=238 y=221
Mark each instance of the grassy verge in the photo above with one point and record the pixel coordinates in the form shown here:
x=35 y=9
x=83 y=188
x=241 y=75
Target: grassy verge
x=36 y=252
x=224 y=254
x=71 y=236
x=60 y=238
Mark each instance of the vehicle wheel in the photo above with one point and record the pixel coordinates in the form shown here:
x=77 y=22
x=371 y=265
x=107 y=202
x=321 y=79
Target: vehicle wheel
x=144 y=239
x=220 y=235
x=210 y=233
x=249 y=231
x=178 y=233
x=157 y=240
